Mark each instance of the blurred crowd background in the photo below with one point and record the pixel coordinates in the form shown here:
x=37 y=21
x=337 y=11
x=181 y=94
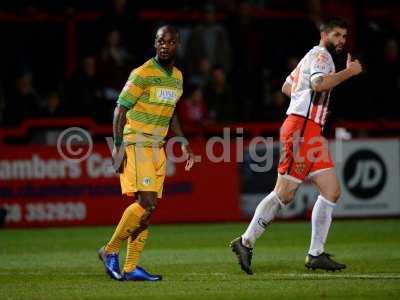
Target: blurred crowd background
x=71 y=58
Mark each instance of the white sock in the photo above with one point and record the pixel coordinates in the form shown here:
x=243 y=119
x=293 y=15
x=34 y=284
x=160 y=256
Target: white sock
x=321 y=220
x=263 y=216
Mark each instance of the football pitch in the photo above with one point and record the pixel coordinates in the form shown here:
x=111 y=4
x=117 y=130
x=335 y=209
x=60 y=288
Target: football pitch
x=197 y=264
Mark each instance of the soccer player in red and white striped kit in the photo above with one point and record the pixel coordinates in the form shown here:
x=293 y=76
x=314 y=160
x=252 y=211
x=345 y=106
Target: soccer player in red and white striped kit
x=304 y=150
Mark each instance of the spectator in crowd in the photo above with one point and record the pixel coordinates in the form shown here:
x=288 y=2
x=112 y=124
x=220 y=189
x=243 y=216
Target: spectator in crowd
x=249 y=58
x=113 y=65
x=192 y=110
x=23 y=102
x=203 y=74
x=53 y=106
x=387 y=76
x=116 y=15
x=219 y=97
x=252 y=51
x=208 y=40
x=245 y=39
x=84 y=91
x=184 y=34
x=277 y=110
x=2 y=104
x=121 y=17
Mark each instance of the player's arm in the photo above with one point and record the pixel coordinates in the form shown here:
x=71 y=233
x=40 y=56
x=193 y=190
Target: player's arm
x=118 y=131
x=132 y=90
x=287 y=89
x=287 y=85
x=177 y=129
x=321 y=82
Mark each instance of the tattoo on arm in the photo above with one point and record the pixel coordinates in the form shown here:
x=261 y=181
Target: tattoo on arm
x=119 y=123
x=316 y=80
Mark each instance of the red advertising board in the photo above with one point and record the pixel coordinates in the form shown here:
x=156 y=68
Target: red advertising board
x=39 y=188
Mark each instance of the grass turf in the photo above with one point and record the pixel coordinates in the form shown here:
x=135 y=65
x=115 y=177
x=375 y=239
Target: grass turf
x=197 y=264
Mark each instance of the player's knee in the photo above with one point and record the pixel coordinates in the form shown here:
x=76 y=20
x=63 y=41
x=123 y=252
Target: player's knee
x=285 y=195
x=333 y=194
x=148 y=200
x=336 y=194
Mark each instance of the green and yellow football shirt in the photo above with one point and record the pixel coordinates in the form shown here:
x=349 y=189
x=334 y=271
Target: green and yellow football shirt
x=150 y=94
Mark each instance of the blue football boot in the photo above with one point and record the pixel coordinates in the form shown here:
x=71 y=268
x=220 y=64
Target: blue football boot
x=111 y=263
x=139 y=274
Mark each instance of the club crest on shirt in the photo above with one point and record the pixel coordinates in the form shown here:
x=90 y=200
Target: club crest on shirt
x=299 y=167
x=321 y=62
x=146 y=181
x=322 y=57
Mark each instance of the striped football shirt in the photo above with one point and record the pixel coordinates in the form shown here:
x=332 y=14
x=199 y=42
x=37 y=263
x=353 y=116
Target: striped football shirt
x=151 y=94
x=304 y=101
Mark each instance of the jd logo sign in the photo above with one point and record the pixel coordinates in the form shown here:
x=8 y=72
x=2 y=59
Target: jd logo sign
x=365 y=174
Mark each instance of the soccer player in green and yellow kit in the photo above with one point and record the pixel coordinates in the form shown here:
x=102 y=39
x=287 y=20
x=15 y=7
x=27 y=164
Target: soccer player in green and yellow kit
x=144 y=112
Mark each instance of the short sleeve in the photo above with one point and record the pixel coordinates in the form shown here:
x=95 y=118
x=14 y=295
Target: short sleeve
x=132 y=90
x=290 y=78
x=321 y=64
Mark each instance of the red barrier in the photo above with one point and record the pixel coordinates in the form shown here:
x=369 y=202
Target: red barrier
x=39 y=188
x=250 y=129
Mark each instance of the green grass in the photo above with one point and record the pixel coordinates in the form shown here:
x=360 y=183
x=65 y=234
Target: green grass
x=197 y=264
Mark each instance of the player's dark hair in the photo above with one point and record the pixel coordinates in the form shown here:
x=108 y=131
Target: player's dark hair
x=330 y=23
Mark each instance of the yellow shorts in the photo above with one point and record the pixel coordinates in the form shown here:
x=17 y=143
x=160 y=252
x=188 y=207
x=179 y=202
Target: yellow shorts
x=144 y=170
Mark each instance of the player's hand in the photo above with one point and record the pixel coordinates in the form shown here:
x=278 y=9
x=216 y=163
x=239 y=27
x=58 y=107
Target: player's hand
x=118 y=160
x=353 y=66
x=187 y=151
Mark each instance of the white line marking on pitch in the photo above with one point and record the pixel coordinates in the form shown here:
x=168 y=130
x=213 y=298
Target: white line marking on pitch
x=306 y=275
x=361 y=276
x=265 y=275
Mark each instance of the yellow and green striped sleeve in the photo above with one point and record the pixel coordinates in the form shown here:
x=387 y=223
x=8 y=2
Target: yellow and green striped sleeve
x=132 y=90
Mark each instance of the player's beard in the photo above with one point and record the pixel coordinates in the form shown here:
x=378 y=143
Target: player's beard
x=332 y=49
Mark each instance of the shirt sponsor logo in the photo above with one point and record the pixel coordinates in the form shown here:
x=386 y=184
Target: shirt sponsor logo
x=166 y=95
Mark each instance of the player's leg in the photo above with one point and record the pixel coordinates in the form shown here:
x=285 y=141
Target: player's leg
x=132 y=179
x=148 y=200
x=109 y=254
x=283 y=193
x=135 y=246
x=264 y=214
x=266 y=210
x=321 y=219
x=138 y=237
x=129 y=223
x=131 y=182
x=137 y=240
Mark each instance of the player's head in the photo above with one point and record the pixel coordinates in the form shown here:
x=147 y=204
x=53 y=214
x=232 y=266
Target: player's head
x=334 y=34
x=166 y=43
